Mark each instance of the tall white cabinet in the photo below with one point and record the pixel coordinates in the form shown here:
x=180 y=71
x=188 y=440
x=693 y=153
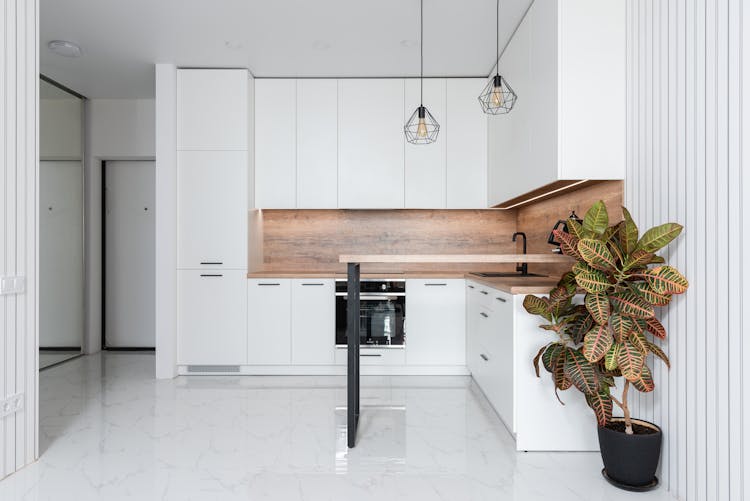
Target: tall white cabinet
x=214 y=107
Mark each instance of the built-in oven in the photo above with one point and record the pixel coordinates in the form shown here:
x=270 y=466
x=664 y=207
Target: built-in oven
x=382 y=312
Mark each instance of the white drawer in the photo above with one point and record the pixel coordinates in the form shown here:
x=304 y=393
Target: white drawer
x=374 y=356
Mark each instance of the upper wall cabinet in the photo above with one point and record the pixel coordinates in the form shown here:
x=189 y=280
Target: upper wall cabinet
x=317 y=144
x=466 y=145
x=371 y=143
x=275 y=143
x=425 y=174
x=212 y=109
x=569 y=120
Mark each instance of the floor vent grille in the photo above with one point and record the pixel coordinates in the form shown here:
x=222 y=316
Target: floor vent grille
x=213 y=368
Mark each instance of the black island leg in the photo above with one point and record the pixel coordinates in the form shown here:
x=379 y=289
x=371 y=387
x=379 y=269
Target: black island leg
x=352 y=336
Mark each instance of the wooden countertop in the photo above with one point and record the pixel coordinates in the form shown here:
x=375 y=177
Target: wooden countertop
x=454 y=258
x=517 y=285
x=341 y=275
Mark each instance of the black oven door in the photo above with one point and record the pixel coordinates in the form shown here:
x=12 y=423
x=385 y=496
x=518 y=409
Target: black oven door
x=381 y=320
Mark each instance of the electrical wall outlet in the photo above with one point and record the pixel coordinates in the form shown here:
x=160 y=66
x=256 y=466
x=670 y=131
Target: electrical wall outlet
x=11 y=405
x=12 y=285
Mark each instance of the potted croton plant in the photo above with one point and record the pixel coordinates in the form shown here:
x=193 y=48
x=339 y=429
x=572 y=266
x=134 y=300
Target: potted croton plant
x=609 y=334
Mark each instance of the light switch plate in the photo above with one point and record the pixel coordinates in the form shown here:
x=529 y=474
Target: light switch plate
x=11 y=405
x=12 y=285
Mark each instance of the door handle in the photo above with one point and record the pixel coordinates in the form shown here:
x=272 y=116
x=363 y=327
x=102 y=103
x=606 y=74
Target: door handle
x=502 y=300
x=484 y=292
x=306 y=285
x=436 y=285
x=214 y=263
x=268 y=284
x=484 y=357
x=211 y=275
x=370 y=355
x=471 y=287
x=484 y=314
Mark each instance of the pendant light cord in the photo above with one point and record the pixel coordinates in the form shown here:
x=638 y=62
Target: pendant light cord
x=497 y=37
x=421 y=51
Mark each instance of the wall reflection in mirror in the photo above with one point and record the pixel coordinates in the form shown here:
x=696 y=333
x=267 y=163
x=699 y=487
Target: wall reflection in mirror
x=61 y=224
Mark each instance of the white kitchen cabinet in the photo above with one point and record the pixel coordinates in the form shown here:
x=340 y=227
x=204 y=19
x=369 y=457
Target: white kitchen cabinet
x=371 y=143
x=466 y=145
x=374 y=356
x=211 y=325
x=435 y=322
x=275 y=143
x=212 y=109
x=212 y=204
x=499 y=342
x=569 y=120
x=317 y=144
x=425 y=175
x=313 y=314
x=269 y=329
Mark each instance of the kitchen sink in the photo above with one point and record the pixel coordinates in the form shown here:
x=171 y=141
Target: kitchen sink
x=504 y=274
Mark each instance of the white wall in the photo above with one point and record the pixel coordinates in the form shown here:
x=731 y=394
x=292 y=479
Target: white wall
x=116 y=129
x=686 y=164
x=60 y=128
x=19 y=94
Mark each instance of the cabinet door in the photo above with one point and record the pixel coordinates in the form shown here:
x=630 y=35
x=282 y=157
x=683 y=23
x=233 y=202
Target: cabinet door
x=371 y=143
x=212 y=209
x=435 y=316
x=212 y=111
x=269 y=336
x=317 y=144
x=466 y=148
x=275 y=143
x=472 y=327
x=313 y=322
x=500 y=346
x=425 y=163
x=211 y=317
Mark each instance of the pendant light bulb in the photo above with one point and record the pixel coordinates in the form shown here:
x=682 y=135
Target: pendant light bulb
x=497 y=97
x=422 y=128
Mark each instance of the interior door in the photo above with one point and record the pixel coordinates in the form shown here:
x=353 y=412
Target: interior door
x=60 y=254
x=129 y=254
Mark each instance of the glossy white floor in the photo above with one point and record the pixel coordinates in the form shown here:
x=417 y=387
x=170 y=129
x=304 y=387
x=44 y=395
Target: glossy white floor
x=110 y=431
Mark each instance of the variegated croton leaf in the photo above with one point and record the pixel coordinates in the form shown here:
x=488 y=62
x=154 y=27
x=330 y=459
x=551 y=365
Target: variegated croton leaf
x=598 y=306
x=610 y=358
x=568 y=243
x=654 y=326
x=601 y=403
x=658 y=237
x=630 y=360
x=596 y=343
x=581 y=372
x=596 y=219
x=593 y=281
x=644 y=381
x=647 y=293
x=537 y=306
x=653 y=348
x=628 y=233
x=596 y=254
x=666 y=280
x=630 y=304
x=621 y=326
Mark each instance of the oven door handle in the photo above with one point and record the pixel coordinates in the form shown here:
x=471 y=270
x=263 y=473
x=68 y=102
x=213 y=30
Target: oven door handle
x=377 y=298
x=366 y=296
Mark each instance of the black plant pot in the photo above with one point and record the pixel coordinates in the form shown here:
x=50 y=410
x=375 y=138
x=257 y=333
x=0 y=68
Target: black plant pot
x=630 y=461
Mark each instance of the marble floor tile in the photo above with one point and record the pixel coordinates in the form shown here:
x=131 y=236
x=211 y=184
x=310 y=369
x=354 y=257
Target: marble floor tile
x=110 y=431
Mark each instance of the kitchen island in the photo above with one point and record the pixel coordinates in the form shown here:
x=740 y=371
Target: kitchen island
x=354 y=261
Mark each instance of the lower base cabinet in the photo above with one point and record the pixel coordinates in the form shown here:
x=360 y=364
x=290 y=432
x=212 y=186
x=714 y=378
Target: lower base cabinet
x=211 y=319
x=313 y=313
x=269 y=326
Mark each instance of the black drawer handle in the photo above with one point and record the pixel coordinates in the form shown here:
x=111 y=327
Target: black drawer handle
x=484 y=314
x=306 y=285
x=484 y=292
x=502 y=300
x=215 y=263
x=267 y=284
x=436 y=285
x=471 y=287
x=212 y=275
x=370 y=355
x=484 y=357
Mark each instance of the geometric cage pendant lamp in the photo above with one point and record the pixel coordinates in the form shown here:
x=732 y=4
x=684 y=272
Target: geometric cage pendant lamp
x=421 y=128
x=497 y=97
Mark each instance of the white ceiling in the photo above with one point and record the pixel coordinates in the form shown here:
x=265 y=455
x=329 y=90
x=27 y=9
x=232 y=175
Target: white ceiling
x=121 y=40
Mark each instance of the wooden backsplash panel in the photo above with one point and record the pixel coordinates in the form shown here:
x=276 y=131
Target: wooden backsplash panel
x=537 y=219
x=313 y=239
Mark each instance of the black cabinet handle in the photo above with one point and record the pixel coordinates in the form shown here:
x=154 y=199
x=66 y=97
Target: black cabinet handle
x=471 y=287
x=436 y=285
x=502 y=300
x=483 y=314
x=370 y=355
x=267 y=284
x=311 y=284
x=215 y=263
x=484 y=357
x=211 y=275
x=484 y=292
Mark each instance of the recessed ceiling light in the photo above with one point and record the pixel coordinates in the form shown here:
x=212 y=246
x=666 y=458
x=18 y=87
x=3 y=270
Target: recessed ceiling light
x=321 y=45
x=408 y=43
x=232 y=45
x=64 y=48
